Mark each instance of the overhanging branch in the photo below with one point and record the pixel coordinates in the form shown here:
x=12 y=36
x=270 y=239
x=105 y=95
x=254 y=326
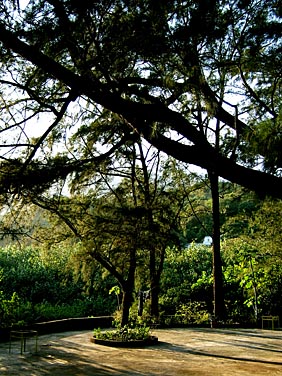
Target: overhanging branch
x=141 y=116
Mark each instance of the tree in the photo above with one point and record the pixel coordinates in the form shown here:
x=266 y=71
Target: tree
x=251 y=253
x=197 y=80
x=231 y=208
x=164 y=200
x=106 y=229
x=145 y=62
x=124 y=216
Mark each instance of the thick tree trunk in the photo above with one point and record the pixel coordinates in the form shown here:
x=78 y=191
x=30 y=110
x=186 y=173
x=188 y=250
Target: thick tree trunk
x=155 y=275
x=218 y=289
x=128 y=288
x=125 y=307
x=155 y=302
x=154 y=309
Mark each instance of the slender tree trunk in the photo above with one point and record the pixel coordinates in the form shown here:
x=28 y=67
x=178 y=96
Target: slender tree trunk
x=155 y=284
x=127 y=291
x=128 y=288
x=218 y=289
x=154 y=308
x=255 y=292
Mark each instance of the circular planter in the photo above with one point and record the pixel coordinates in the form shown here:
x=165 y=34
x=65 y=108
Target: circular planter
x=152 y=340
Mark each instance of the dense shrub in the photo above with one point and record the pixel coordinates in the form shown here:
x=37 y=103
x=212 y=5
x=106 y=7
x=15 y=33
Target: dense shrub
x=38 y=287
x=9 y=310
x=186 y=276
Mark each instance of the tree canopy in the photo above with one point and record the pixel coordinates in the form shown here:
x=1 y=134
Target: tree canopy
x=81 y=78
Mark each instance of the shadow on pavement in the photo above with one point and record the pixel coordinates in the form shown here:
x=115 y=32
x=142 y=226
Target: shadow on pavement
x=183 y=349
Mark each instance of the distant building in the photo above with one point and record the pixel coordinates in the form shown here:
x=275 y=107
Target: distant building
x=207 y=241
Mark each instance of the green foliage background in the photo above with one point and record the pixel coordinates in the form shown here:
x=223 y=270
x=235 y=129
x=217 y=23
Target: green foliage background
x=39 y=286
x=61 y=281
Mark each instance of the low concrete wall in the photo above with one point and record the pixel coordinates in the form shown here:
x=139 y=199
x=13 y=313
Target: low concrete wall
x=4 y=334
x=64 y=325
x=81 y=323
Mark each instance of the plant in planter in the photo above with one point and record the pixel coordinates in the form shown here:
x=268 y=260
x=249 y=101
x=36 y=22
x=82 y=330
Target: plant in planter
x=124 y=336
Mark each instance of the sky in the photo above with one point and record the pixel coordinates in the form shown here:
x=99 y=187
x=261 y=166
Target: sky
x=23 y=3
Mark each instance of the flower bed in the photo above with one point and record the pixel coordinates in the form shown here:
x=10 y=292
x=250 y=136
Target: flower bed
x=125 y=337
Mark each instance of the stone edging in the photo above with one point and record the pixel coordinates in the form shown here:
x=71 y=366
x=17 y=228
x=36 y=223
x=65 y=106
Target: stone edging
x=152 y=340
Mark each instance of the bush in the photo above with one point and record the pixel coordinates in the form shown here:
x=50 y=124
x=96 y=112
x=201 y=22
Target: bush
x=46 y=311
x=9 y=310
x=193 y=313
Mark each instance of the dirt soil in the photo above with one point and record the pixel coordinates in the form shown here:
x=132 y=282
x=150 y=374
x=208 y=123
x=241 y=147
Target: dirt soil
x=179 y=352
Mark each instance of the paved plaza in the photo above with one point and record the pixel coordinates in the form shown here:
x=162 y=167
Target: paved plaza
x=180 y=352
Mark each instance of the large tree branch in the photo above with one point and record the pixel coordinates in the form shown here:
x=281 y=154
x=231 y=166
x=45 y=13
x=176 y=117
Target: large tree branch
x=100 y=93
x=200 y=85
x=59 y=117
x=16 y=176
x=141 y=117
x=258 y=181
